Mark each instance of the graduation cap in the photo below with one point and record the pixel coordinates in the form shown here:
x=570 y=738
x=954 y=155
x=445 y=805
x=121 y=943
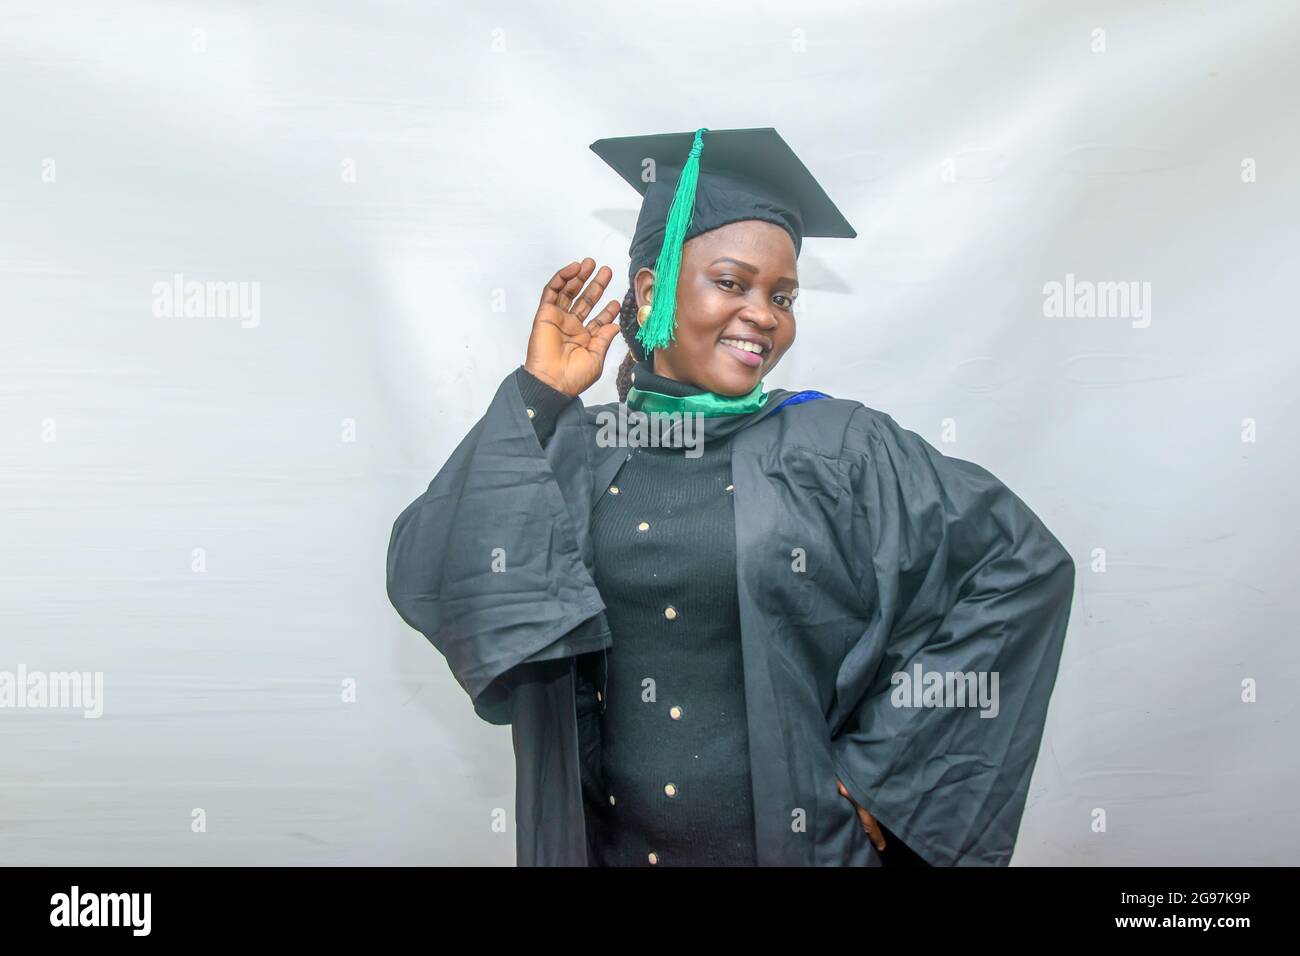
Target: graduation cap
x=694 y=182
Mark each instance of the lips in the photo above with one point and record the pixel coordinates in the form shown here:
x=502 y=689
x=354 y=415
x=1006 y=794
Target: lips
x=751 y=359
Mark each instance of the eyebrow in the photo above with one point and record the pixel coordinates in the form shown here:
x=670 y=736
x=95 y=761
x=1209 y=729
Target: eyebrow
x=751 y=269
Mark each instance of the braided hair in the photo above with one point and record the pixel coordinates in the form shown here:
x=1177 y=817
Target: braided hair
x=628 y=325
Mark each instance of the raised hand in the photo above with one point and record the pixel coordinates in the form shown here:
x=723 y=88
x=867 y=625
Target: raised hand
x=566 y=350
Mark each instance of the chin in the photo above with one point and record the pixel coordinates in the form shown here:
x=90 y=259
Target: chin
x=735 y=381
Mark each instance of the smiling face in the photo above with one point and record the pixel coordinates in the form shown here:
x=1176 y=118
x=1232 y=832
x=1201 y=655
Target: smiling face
x=737 y=285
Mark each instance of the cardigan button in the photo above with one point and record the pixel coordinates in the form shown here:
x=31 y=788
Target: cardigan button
x=643 y=526
x=531 y=411
x=611 y=799
x=670 y=612
x=613 y=489
x=670 y=789
x=730 y=487
x=653 y=858
x=599 y=696
x=675 y=712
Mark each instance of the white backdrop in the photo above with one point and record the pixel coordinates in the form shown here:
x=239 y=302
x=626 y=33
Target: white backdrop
x=198 y=506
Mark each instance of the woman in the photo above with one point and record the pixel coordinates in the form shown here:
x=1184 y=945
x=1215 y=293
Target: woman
x=813 y=641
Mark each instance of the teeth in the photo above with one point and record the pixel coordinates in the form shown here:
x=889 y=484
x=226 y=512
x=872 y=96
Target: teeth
x=744 y=346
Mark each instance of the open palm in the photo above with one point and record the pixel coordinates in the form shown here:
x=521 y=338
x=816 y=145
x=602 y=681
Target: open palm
x=566 y=350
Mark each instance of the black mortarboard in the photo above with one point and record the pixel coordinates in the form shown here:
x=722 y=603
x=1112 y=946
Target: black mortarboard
x=694 y=182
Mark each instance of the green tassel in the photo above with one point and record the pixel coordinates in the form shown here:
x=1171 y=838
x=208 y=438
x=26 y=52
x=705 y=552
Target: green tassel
x=661 y=325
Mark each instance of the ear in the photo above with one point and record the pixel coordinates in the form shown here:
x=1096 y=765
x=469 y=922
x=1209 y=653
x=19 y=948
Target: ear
x=644 y=283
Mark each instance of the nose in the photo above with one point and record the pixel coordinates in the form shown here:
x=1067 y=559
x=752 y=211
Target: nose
x=760 y=316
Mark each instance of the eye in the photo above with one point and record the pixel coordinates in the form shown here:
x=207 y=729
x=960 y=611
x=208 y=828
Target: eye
x=787 y=303
x=727 y=283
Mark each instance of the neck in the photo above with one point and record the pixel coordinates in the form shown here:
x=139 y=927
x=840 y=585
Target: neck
x=647 y=379
x=658 y=393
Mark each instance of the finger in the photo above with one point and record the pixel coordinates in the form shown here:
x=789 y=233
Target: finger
x=562 y=282
x=575 y=283
x=574 y=287
x=552 y=289
x=604 y=329
x=602 y=322
x=872 y=828
x=591 y=295
x=878 y=839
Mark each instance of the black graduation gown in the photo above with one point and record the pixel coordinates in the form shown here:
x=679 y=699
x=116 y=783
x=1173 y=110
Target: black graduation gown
x=866 y=561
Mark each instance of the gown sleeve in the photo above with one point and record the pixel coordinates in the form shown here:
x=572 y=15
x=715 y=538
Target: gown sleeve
x=492 y=563
x=960 y=578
